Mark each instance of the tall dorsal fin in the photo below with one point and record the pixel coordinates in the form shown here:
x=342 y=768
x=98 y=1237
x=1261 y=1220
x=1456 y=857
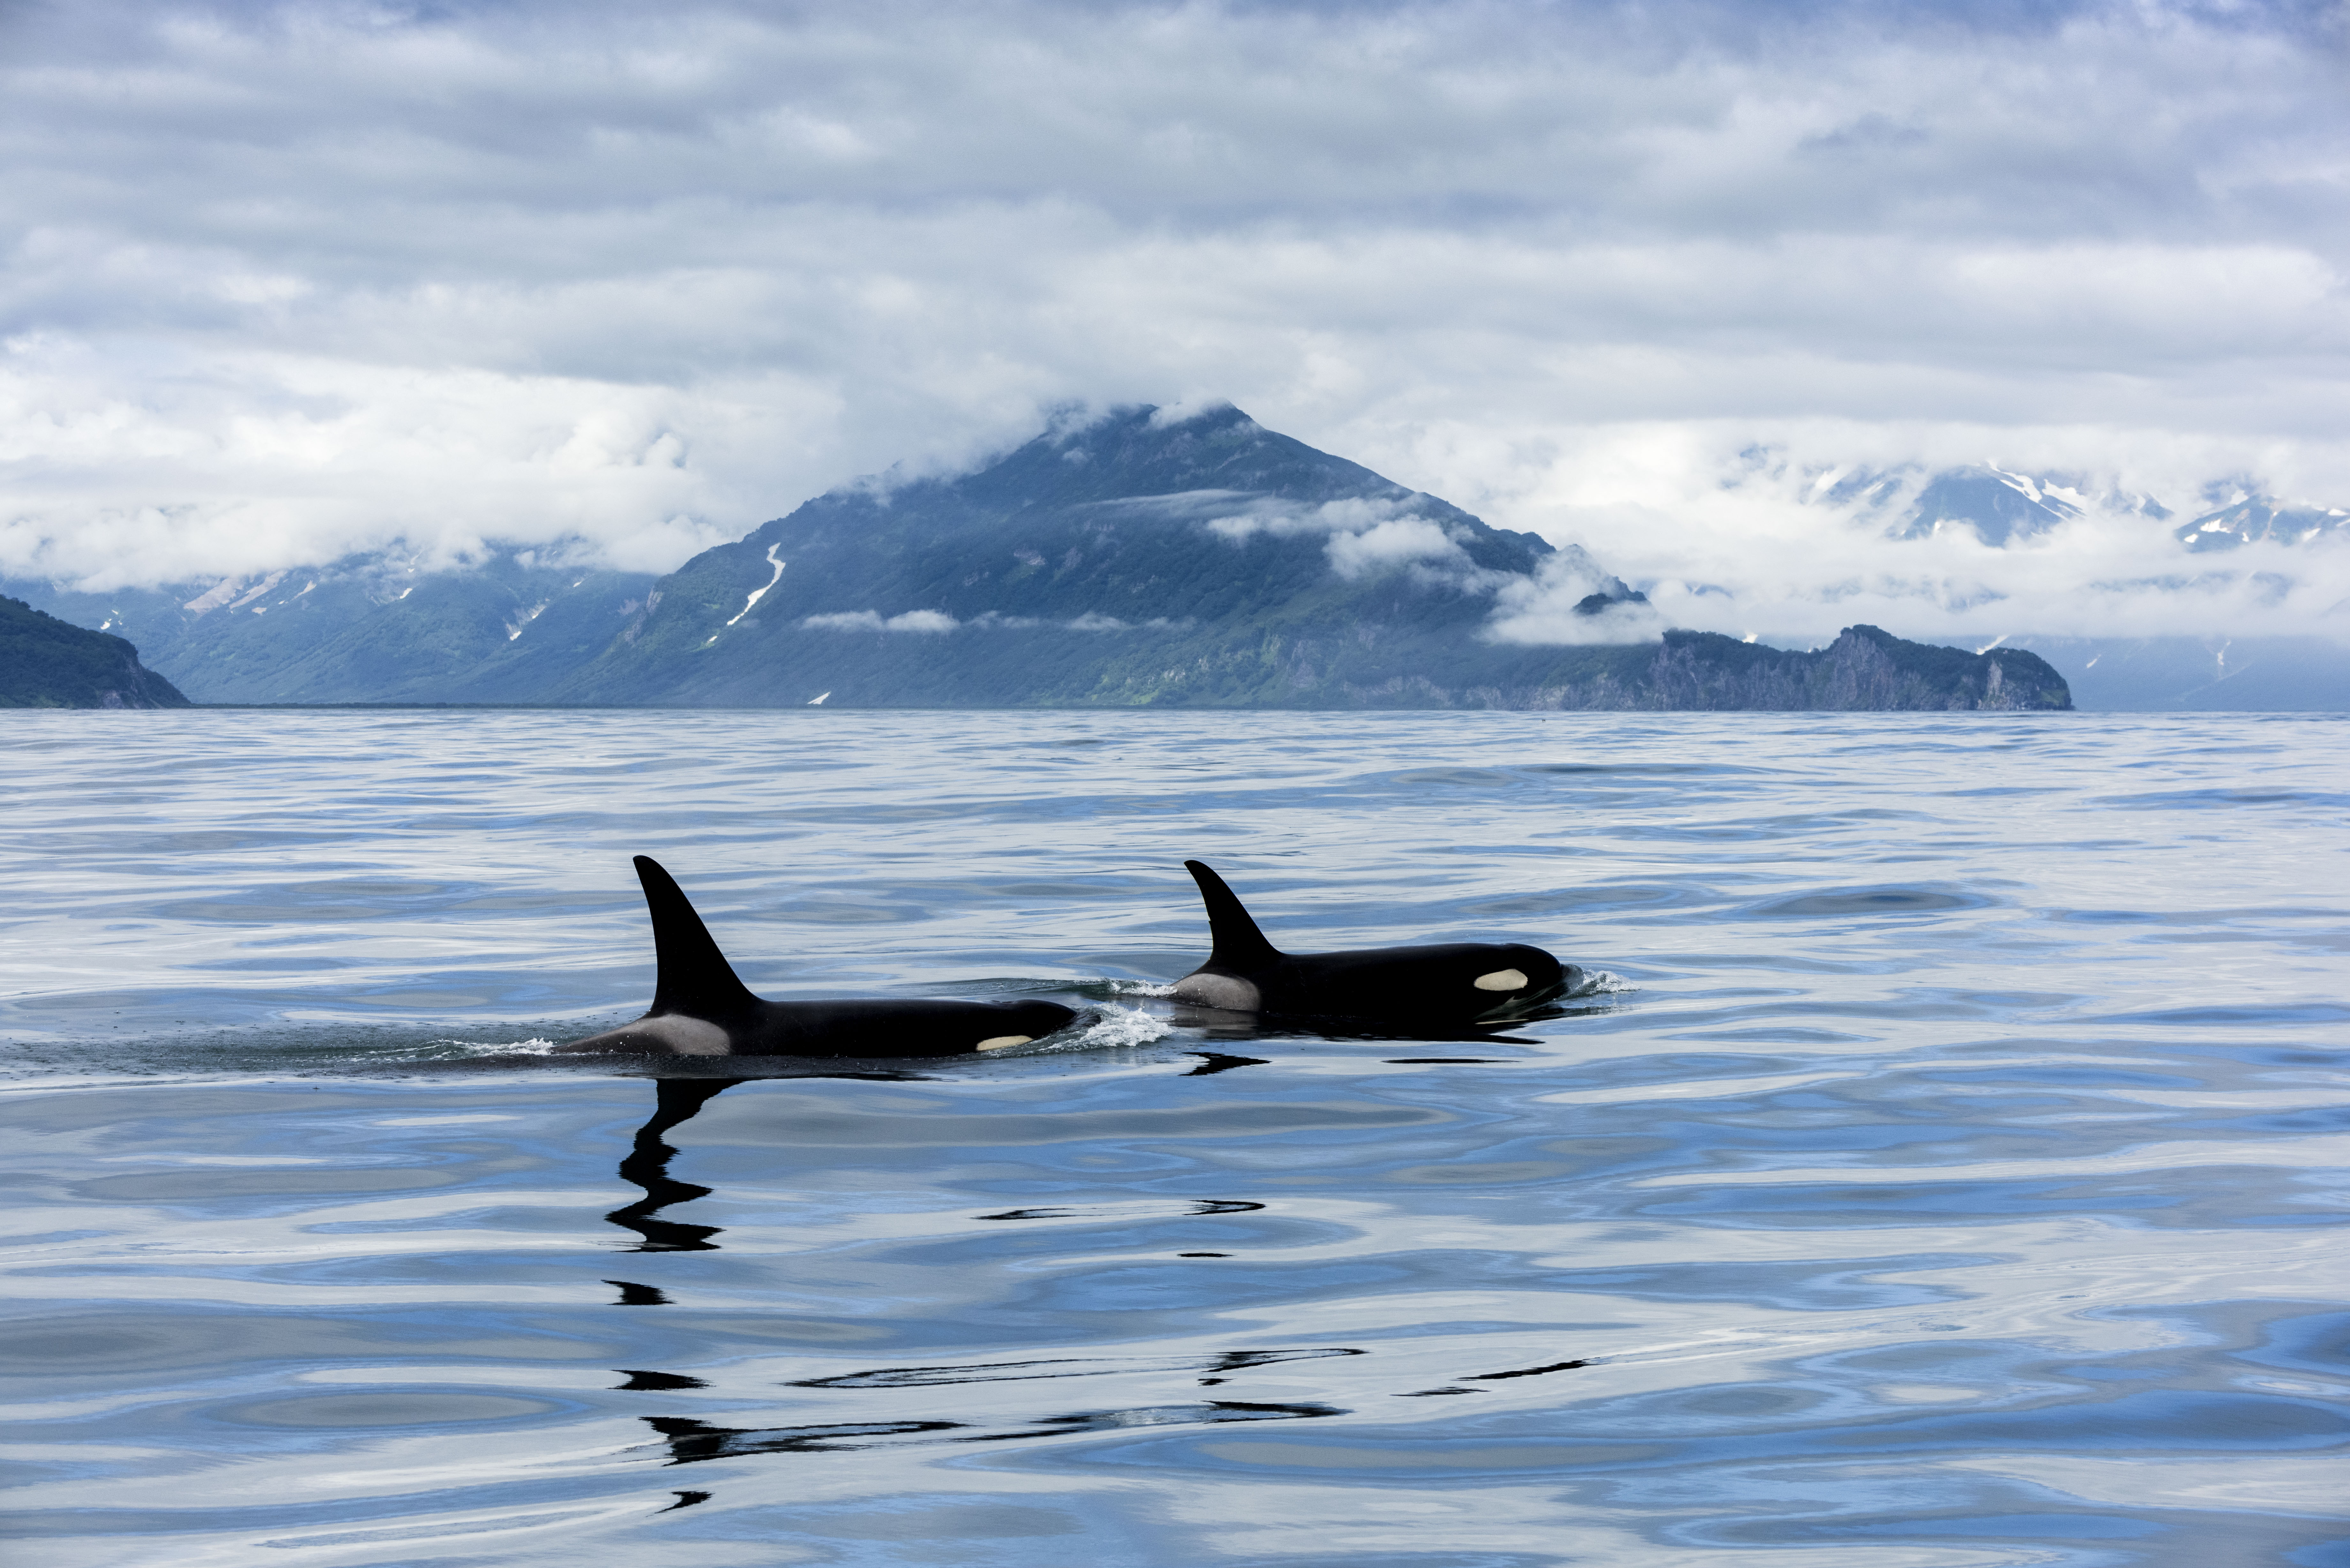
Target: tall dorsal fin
x=694 y=977
x=1238 y=945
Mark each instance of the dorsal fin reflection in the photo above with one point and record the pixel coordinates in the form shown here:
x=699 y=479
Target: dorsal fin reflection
x=646 y=1164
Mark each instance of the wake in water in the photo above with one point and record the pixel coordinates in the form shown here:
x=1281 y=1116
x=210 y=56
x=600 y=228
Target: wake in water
x=314 y=1049
x=1107 y=1021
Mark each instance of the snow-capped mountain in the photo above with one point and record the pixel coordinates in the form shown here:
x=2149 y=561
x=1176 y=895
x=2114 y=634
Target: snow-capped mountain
x=1133 y=559
x=2246 y=518
x=2000 y=506
x=371 y=628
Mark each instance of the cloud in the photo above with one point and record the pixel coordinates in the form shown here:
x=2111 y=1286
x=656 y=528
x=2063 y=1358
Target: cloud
x=1391 y=544
x=1366 y=534
x=871 y=620
x=292 y=280
x=356 y=457
x=1238 y=515
x=939 y=620
x=1744 y=543
x=1554 y=606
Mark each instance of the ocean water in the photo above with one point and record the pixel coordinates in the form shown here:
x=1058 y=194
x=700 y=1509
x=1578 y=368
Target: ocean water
x=1945 y=1165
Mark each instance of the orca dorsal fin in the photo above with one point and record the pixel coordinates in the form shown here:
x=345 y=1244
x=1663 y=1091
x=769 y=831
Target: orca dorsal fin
x=1237 y=945
x=692 y=976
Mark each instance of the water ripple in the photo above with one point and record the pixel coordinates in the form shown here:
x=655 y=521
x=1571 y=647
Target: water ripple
x=1943 y=1162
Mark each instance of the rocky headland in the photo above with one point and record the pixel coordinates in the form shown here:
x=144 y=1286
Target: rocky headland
x=46 y=662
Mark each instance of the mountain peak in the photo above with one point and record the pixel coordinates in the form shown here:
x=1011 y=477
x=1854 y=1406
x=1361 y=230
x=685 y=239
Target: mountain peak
x=1144 y=451
x=2249 y=518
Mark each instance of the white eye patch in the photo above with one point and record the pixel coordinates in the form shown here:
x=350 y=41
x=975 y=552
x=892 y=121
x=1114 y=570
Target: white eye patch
x=1501 y=980
x=1003 y=1040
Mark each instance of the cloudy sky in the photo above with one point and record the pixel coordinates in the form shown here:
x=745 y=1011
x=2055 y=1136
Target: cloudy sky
x=284 y=280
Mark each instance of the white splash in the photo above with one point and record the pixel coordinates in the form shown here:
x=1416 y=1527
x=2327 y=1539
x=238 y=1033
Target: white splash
x=1139 y=987
x=1117 y=1026
x=816 y=700
x=533 y=1047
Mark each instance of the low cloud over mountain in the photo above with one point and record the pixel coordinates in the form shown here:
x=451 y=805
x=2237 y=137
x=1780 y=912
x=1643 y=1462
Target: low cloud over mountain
x=1765 y=543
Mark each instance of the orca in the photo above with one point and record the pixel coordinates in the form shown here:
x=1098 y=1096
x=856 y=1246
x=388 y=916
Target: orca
x=700 y=1009
x=1449 y=983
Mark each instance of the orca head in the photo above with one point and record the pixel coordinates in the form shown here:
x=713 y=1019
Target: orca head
x=1456 y=982
x=1512 y=979
x=1462 y=981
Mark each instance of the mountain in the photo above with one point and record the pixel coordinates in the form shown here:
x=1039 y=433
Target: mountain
x=1134 y=560
x=2000 y=507
x=46 y=662
x=2248 y=519
x=1140 y=558
x=366 y=629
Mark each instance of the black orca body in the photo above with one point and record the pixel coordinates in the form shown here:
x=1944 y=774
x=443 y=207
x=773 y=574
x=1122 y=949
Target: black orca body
x=1450 y=983
x=700 y=1009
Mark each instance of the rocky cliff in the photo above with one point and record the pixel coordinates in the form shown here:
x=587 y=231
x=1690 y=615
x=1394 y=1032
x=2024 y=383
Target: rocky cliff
x=1865 y=670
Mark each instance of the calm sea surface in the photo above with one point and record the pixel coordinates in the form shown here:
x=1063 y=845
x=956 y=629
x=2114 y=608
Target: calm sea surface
x=1949 y=1165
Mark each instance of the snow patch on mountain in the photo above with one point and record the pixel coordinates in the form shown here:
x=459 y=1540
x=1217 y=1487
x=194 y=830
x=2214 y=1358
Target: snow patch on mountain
x=761 y=592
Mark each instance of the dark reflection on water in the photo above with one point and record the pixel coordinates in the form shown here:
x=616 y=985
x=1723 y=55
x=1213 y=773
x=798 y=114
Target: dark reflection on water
x=1868 y=901
x=642 y=1382
x=690 y=1441
x=635 y=1295
x=1214 y=1062
x=646 y=1166
x=1094 y=1211
x=1528 y=1371
x=1069 y=1366
x=1954 y=1176
x=1216 y=1023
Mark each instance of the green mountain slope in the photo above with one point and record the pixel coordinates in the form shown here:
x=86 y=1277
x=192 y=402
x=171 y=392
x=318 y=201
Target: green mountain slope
x=46 y=662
